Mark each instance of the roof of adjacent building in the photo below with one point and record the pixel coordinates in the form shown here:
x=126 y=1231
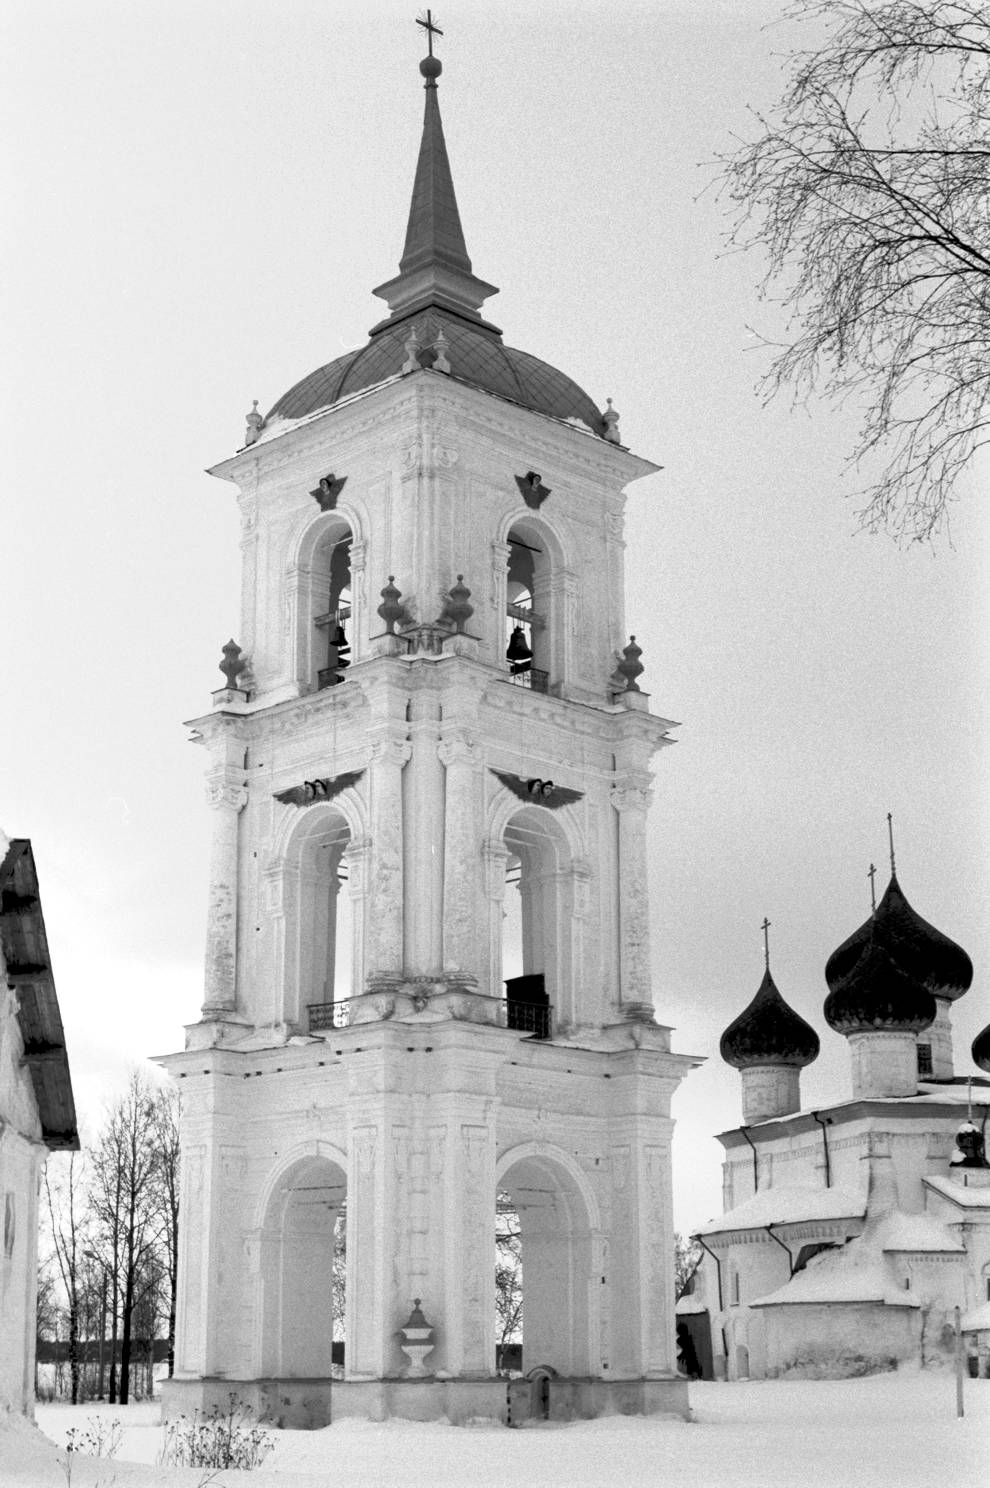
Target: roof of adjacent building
x=965 y=1195
x=437 y=291
x=24 y=944
x=790 y=1204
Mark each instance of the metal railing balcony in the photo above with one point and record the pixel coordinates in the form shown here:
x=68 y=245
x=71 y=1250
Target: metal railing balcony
x=528 y=1017
x=532 y=678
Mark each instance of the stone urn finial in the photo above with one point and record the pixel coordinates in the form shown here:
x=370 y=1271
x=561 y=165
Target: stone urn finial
x=255 y=423
x=440 y=361
x=417 y=1341
x=411 y=348
x=457 y=611
x=391 y=609
x=231 y=666
x=630 y=667
x=610 y=418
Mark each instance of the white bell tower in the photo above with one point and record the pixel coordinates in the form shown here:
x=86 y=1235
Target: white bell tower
x=428 y=968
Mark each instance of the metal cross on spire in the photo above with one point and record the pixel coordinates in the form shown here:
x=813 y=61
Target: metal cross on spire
x=871 y=875
x=766 y=941
x=430 y=27
x=890 y=834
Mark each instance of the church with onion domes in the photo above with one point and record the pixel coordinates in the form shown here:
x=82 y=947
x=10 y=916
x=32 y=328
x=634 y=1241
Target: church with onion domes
x=852 y=1232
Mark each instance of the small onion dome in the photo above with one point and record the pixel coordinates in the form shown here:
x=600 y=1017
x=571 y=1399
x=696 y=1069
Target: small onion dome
x=928 y=956
x=768 y=1032
x=878 y=995
x=981 y=1049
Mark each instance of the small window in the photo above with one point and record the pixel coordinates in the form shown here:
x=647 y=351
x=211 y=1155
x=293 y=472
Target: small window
x=925 y=1070
x=735 y=1288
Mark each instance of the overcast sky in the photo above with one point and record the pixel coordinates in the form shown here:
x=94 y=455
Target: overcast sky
x=200 y=197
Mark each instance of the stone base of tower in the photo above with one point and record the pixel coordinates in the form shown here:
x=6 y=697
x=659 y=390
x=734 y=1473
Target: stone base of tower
x=310 y=1404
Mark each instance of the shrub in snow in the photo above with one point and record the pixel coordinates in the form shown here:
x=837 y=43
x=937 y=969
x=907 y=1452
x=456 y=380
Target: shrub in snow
x=98 y=1438
x=231 y=1438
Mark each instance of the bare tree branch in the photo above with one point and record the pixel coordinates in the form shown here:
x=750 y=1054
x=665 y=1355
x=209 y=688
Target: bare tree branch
x=869 y=190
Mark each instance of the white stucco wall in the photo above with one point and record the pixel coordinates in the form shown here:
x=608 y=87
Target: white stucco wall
x=22 y=1159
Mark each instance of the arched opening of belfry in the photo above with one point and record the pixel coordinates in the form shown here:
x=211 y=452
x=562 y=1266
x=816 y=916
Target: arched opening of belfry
x=321 y=923
x=556 y=1251
x=535 y=923
x=302 y=1273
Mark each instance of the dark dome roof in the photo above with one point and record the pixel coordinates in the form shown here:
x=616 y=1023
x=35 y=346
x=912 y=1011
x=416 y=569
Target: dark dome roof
x=877 y=995
x=476 y=354
x=981 y=1049
x=924 y=953
x=768 y=1032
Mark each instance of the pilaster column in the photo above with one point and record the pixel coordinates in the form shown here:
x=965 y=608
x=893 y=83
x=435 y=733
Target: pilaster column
x=226 y=793
x=635 y=994
x=462 y=890
x=363 y=910
x=358 y=627
x=383 y=957
x=500 y=573
x=423 y=840
x=494 y=858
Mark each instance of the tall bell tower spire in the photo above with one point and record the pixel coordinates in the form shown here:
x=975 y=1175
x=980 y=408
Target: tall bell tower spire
x=435 y=268
x=429 y=976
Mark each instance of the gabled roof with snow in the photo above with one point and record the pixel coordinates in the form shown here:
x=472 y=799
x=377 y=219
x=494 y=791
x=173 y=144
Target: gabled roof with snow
x=841 y=1278
x=793 y=1204
x=965 y=1196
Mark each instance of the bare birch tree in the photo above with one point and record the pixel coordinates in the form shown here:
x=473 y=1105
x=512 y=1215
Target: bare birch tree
x=65 y=1195
x=122 y=1195
x=166 y=1200
x=869 y=189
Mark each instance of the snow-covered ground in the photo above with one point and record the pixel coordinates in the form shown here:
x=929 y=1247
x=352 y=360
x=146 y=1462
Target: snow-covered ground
x=886 y=1431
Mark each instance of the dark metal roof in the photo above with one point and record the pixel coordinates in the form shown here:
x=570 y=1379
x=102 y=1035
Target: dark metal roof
x=476 y=355
x=29 y=972
x=981 y=1049
x=877 y=994
x=922 y=952
x=769 y=1032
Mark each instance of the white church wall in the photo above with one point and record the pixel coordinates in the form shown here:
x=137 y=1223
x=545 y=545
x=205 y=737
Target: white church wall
x=22 y=1162
x=839 y=1340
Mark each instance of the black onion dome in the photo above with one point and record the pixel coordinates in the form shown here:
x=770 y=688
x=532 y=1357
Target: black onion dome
x=768 y=1032
x=476 y=354
x=981 y=1049
x=878 y=995
x=924 y=953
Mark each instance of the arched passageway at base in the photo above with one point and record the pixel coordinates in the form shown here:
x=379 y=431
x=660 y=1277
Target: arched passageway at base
x=560 y=1257
x=301 y=1271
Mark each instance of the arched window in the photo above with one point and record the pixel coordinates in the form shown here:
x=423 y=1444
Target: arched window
x=319 y=594
x=332 y=586
x=319 y=951
x=534 y=626
x=537 y=924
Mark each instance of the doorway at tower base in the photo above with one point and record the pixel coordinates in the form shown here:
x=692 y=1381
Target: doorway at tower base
x=309 y=1404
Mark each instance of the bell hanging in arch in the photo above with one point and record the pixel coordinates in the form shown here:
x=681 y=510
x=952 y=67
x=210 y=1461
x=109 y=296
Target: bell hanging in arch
x=518 y=652
x=342 y=644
